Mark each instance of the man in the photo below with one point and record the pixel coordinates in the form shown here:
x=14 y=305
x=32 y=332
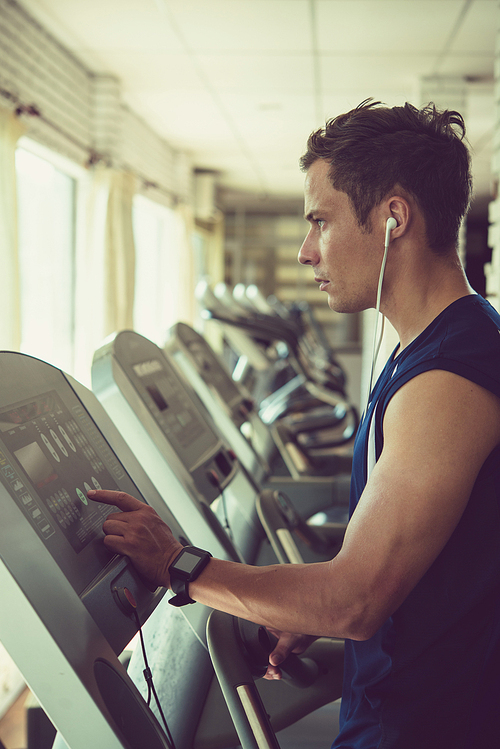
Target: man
x=415 y=589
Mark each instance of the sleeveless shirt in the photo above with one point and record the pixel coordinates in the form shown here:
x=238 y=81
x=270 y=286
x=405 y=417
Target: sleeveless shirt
x=430 y=676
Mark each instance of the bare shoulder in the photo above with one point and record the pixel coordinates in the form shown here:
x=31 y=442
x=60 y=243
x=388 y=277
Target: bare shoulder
x=438 y=414
x=439 y=429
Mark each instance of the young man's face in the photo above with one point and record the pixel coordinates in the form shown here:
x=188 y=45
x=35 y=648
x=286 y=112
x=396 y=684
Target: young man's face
x=345 y=258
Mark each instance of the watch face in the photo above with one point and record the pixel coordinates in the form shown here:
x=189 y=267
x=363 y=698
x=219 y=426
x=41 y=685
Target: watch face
x=187 y=562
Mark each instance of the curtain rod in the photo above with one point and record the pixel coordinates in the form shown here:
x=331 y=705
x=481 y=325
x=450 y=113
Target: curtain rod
x=94 y=157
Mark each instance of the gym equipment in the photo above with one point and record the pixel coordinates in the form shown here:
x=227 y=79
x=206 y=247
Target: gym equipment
x=69 y=606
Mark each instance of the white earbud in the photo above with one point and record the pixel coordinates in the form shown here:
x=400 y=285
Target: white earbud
x=390 y=224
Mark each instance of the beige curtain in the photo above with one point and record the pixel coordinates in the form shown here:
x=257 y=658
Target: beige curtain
x=106 y=264
x=120 y=253
x=11 y=129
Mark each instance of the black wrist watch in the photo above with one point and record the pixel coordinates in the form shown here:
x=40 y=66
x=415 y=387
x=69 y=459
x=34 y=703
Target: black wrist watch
x=185 y=568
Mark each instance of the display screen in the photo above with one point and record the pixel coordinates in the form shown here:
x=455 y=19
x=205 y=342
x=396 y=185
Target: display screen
x=57 y=457
x=36 y=465
x=187 y=563
x=157 y=397
x=50 y=456
x=174 y=410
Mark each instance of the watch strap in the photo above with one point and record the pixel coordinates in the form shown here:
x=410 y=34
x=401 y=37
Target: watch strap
x=180 y=579
x=181 y=590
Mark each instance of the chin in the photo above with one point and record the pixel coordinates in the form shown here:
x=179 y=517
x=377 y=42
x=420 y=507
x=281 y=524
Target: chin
x=343 y=305
x=336 y=304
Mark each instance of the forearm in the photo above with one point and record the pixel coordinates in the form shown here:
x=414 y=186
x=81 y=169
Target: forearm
x=292 y=598
x=332 y=599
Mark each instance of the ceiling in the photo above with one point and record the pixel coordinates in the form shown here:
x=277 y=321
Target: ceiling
x=241 y=83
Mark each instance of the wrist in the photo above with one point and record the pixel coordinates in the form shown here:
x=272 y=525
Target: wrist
x=185 y=568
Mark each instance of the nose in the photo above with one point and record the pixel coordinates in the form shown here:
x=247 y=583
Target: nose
x=308 y=254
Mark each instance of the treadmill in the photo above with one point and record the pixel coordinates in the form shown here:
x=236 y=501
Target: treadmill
x=229 y=404
x=176 y=441
x=70 y=607
x=267 y=451
x=145 y=392
x=173 y=435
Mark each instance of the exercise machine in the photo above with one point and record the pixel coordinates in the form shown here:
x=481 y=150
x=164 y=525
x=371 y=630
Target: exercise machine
x=69 y=606
x=174 y=438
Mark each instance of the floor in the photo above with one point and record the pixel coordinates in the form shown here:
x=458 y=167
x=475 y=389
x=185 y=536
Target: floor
x=13 y=724
x=315 y=731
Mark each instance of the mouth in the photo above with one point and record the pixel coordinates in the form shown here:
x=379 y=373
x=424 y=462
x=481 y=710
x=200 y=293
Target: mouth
x=323 y=283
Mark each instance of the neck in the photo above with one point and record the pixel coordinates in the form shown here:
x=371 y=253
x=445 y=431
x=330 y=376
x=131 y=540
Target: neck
x=417 y=292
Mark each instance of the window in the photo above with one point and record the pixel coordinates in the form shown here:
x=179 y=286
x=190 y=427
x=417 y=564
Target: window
x=46 y=227
x=61 y=321
x=158 y=267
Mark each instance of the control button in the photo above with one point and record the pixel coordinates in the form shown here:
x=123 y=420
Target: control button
x=125 y=599
x=70 y=443
x=50 y=448
x=81 y=496
x=59 y=443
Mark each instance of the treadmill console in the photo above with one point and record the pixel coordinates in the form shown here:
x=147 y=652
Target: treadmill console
x=174 y=407
x=50 y=459
x=51 y=454
x=210 y=369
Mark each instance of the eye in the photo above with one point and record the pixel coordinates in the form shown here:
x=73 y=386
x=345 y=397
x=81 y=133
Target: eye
x=320 y=222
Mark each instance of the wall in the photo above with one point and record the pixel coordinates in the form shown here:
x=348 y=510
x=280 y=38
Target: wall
x=86 y=111
x=262 y=248
x=492 y=270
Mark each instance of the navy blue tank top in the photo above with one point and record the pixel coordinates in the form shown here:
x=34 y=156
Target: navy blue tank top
x=430 y=677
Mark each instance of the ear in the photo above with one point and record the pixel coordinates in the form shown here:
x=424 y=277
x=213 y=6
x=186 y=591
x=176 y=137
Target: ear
x=400 y=209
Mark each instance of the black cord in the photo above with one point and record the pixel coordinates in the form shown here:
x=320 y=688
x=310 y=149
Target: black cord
x=214 y=480
x=224 y=510
x=148 y=677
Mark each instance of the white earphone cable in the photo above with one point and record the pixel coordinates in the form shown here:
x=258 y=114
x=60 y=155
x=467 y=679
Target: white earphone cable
x=391 y=224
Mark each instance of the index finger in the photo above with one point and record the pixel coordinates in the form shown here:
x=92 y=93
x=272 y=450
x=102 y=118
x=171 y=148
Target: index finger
x=121 y=500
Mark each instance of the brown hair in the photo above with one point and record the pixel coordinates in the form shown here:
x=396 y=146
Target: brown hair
x=373 y=149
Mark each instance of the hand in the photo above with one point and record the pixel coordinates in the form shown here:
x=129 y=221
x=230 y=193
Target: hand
x=287 y=643
x=140 y=534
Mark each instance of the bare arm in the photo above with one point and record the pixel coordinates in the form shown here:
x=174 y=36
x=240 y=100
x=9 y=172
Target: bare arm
x=438 y=431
